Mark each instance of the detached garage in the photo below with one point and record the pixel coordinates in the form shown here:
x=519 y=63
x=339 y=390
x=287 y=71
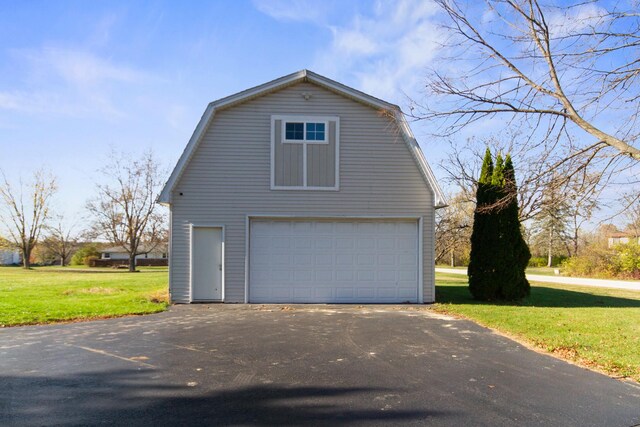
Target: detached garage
x=302 y=190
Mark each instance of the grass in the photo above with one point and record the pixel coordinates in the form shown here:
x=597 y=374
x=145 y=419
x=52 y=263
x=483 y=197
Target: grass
x=597 y=328
x=543 y=271
x=53 y=294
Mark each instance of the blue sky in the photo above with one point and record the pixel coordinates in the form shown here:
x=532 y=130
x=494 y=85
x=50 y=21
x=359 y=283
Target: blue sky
x=82 y=78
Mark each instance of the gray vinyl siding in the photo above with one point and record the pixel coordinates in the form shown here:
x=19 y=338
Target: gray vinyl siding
x=321 y=161
x=228 y=178
x=288 y=161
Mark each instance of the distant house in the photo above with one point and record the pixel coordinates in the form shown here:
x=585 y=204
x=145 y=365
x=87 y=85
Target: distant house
x=117 y=252
x=9 y=257
x=116 y=255
x=622 y=238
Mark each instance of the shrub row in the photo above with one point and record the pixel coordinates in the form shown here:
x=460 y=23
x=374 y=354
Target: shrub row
x=621 y=261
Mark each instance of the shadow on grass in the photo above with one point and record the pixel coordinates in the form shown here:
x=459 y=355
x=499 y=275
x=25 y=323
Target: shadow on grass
x=89 y=270
x=456 y=291
x=133 y=397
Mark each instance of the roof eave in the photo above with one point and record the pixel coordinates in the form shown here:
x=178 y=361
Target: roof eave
x=440 y=200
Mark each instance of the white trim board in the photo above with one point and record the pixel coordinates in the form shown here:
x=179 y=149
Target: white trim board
x=288 y=80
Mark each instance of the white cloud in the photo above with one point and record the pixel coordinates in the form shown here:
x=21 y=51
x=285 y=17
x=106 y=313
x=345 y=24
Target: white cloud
x=69 y=82
x=292 y=10
x=80 y=67
x=387 y=51
x=353 y=42
x=567 y=21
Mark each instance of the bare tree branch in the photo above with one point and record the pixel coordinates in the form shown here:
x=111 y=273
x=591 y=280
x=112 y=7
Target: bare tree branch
x=23 y=222
x=579 y=62
x=124 y=209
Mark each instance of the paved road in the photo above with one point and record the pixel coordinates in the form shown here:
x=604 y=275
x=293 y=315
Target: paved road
x=293 y=365
x=580 y=281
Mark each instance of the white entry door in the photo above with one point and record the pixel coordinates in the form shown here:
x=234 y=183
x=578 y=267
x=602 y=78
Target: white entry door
x=349 y=261
x=206 y=263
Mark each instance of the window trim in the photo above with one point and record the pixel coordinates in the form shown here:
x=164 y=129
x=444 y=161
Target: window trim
x=304 y=139
x=312 y=119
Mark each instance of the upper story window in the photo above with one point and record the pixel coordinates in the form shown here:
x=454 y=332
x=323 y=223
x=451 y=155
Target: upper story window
x=305 y=152
x=305 y=131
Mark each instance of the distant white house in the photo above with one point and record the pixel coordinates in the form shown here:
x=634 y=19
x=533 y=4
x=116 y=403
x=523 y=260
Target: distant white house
x=622 y=238
x=117 y=252
x=9 y=257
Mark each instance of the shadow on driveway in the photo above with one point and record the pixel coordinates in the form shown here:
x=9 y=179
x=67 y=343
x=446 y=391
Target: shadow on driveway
x=132 y=397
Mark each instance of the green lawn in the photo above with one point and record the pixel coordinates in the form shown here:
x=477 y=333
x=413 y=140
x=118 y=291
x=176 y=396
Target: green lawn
x=598 y=328
x=545 y=271
x=50 y=294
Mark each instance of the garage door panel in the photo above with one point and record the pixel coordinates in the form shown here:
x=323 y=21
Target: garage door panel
x=344 y=276
x=408 y=276
x=404 y=243
x=324 y=276
x=407 y=292
x=324 y=260
x=344 y=293
x=323 y=243
x=333 y=261
x=408 y=260
x=279 y=275
x=386 y=276
x=366 y=275
x=323 y=294
x=344 y=259
x=303 y=260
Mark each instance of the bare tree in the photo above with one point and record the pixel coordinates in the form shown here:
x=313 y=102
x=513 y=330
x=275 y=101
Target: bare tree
x=583 y=198
x=555 y=71
x=453 y=230
x=550 y=228
x=462 y=168
x=61 y=240
x=125 y=210
x=631 y=214
x=23 y=220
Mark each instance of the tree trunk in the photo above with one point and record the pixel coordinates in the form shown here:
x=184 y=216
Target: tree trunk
x=132 y=263
x=550 y=250
x=26 y=258
x=62 y=261
x=453 y=259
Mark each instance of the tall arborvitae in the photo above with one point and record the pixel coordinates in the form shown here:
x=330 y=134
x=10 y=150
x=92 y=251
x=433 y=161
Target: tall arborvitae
x=515 y=252
x=484 y=237
x=499 y=254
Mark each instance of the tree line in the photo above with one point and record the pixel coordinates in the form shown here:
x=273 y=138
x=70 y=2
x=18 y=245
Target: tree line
x=123 y=211
x=558 y=84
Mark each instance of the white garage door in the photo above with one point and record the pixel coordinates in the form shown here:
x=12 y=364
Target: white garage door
x=329 y=261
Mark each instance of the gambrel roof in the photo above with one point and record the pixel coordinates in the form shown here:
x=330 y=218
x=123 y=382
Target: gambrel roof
x=291 y=79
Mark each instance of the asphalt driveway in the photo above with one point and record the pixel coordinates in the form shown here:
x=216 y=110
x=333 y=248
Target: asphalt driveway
x=293 y=365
